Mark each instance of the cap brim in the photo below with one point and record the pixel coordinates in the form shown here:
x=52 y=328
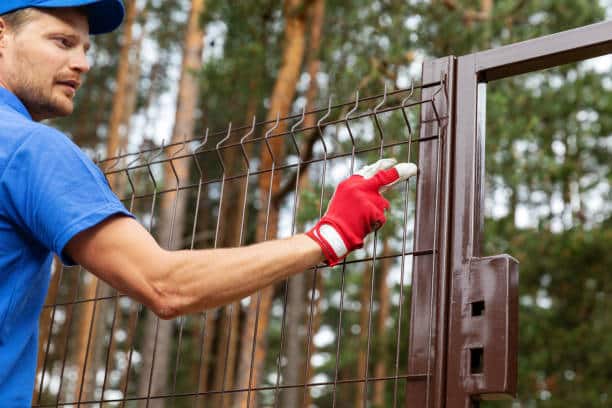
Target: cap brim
x=104 y=15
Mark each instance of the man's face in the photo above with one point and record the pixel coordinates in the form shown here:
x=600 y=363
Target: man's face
x=42 y=62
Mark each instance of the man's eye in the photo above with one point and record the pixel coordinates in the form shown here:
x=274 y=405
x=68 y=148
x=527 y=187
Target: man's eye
x=63 y=42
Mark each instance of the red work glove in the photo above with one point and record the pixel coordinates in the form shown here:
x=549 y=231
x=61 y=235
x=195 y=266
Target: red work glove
x=357 y=208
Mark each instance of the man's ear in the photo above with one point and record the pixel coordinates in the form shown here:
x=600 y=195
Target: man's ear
x=2 y=33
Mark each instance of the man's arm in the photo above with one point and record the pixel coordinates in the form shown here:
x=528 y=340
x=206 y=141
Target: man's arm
x=121 y=252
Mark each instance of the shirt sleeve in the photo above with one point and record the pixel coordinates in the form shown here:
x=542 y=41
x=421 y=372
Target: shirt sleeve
x=53 y=191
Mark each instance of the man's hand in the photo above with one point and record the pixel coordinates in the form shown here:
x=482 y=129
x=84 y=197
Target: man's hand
x=357 y=208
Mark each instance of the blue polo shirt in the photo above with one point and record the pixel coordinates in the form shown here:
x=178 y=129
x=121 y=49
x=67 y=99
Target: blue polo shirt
x=49 y=192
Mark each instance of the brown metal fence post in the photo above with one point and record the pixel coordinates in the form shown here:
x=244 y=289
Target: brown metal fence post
x=427 y=342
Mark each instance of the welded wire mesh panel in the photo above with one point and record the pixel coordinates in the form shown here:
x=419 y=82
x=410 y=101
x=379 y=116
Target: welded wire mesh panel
x=329 y=337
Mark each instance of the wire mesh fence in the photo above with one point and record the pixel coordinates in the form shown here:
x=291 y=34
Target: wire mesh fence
x=330 y=337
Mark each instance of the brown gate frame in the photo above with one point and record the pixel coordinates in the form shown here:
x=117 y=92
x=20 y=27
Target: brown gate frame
x=464 y=324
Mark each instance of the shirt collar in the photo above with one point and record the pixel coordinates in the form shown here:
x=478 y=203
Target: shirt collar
x=9 y=99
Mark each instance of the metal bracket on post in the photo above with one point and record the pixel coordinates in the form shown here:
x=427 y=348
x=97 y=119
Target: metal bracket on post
x=487 y=342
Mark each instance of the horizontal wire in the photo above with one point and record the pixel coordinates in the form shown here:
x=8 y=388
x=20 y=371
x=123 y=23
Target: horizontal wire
x=407 y=377
x=264 y=171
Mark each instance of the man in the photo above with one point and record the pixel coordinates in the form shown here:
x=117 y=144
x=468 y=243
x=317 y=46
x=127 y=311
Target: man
x=53 y=199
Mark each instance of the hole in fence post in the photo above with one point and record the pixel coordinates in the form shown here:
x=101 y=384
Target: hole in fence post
x=478 y=308
x=476 y=360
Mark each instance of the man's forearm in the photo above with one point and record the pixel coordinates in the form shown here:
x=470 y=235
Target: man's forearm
x=201 y=279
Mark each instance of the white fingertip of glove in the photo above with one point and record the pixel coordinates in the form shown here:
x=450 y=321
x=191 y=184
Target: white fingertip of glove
x=333 y=238
x=405 y=171
x=370 y=170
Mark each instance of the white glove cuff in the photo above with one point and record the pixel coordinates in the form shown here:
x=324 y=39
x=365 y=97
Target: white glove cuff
x=333 y=238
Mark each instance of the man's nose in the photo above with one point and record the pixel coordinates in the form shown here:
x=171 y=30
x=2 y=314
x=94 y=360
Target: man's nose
x=80 y=63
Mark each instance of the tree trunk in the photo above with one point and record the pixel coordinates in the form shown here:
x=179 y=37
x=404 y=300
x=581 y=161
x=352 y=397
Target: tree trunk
x=280 y=104
x=154 y=378
x=296 y=305
x=317 y=17
x=117 y=119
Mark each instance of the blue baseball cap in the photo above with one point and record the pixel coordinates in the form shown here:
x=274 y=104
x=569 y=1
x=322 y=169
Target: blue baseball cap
x=103 y=15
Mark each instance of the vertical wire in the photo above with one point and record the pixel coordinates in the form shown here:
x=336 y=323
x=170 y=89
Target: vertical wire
x=117 y=309
x=199 y=392
x=66 y=342
x=230 y=308
x=59 y=270
x=110 y=343
x=171 y=246
x=131 y=207
x=182 y=319
x=91 y=324
x=309 y=336
x=293 y=227
x=257 y=307
x=148 y=397
x=115 y=295
x=193 y=232
x=135 y=313
x=343 y=272
x=205 y=313
x=136 y=307
x=403 y=255
x=246 y=188
x=316 y=269
x=373 y=274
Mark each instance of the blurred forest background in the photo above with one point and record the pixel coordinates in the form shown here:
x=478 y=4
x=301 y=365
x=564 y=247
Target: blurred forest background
x=177 y=68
